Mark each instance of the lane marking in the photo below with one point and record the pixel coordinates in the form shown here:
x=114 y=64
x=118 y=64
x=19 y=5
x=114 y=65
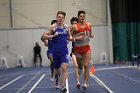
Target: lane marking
x=11 y=82
x=110 y=68
x=16 y=74
x=67 y=84
x=101 y=83
x=126 y=77
x=28 y=82
x=10 y=75
x=48 y=87
x=36 y=83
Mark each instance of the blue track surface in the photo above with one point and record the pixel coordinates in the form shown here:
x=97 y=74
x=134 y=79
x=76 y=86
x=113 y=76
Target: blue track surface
x=23 y=80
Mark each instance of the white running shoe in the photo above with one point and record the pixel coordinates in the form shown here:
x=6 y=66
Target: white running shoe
x=84 y=86
x=57 y=86
x=52 y=79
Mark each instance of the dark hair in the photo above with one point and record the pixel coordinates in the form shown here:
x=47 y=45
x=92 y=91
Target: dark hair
x=36 y=43
x=74 y=19
x=53 y=21
x=61 y=12
x=80 y=12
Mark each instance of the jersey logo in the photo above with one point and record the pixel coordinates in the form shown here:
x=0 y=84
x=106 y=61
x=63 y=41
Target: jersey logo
x=85 y=33
x=63 y=32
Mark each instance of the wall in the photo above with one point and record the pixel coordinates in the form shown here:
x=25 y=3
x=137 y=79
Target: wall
x=20 y=42
x=39 y=13
x=4 y=14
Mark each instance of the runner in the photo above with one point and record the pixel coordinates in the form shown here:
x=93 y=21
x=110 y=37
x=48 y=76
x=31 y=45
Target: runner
x=83 y=33
x=48 y=43
x=77 y=61
x=59 y=34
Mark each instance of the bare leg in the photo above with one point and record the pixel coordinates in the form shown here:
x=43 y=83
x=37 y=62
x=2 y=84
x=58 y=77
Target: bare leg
x=76 y=68
x=64 y=74
x=80 y=64
x=86 y=59
x=52 y=70
x=51 y=66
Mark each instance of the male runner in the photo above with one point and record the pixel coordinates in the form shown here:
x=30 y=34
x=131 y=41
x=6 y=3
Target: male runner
x=77 y=61
x=59 y=33
x=83 y=32
x=48 y=43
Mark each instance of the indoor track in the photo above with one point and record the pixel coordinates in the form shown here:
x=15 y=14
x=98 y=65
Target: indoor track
x=116 y=78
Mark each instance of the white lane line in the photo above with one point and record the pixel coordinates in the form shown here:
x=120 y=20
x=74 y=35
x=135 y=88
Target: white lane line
x=10 y=75
x=28 y=82
x=110 y=68
x=101 y=83
x=126 y=77
x=36 y=83
x=11 y=82
x=67 y=84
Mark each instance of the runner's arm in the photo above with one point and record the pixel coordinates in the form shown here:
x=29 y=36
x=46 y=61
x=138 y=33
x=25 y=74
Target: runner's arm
x=48 y=35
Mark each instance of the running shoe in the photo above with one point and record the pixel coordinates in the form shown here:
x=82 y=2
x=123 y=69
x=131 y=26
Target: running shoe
x=84 y=86
x=63 y=90
x=57 y=86
x=78 y=85
x=52 y=79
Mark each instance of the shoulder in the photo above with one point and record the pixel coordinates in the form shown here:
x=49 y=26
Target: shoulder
x=52 y=28
x=74 y=26
x=89 y=25
x=66 y=25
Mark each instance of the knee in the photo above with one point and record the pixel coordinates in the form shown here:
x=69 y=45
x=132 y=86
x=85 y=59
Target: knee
x=76 y=66
x=64 y=69
x=86 y=66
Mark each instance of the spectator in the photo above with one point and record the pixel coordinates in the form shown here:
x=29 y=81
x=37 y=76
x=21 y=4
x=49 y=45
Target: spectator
x=37 y=53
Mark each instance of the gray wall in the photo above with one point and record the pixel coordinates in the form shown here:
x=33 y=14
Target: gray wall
x=20 y=42
x=39 y=13
x=4 y=14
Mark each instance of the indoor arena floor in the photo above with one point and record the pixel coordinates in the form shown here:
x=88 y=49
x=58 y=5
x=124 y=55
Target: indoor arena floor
x=107 y=79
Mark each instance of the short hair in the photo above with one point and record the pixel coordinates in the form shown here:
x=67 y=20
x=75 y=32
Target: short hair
x=81 y=12
x=61 y=12
x=74 y=19
x=36 y=43
x=53 y=21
